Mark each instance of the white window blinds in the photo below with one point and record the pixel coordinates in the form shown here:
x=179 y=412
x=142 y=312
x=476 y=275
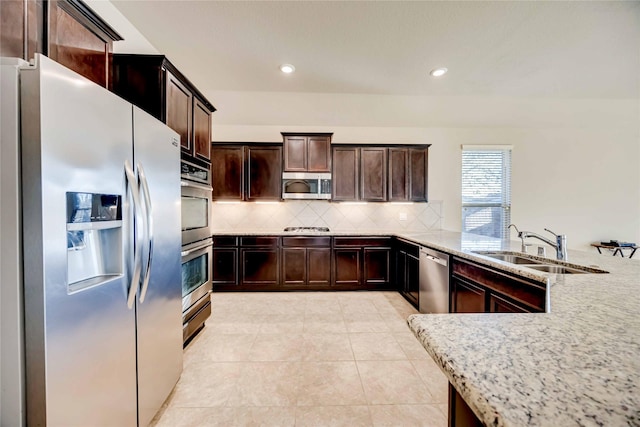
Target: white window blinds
x=486 y=190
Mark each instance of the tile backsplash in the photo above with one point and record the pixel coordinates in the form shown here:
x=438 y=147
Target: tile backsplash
x=249 y=217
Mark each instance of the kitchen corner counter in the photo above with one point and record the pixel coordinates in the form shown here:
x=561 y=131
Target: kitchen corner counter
x=576 y=365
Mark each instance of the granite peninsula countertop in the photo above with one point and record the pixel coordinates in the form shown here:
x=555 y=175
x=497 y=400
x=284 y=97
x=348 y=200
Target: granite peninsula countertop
x=576 y=365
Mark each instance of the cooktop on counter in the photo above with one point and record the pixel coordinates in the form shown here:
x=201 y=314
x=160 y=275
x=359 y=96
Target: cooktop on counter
x=307 y=229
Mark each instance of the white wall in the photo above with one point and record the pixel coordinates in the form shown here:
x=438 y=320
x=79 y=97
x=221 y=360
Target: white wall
x=582 y=181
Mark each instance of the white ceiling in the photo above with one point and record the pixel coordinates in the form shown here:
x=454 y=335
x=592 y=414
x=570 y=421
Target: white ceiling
x=514 y=49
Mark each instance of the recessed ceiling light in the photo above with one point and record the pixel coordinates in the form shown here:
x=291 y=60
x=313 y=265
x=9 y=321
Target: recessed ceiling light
x=438 y=72
x=287 y=68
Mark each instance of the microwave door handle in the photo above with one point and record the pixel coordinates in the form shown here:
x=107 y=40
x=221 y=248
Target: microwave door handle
x=132 y=184
x=144 y=186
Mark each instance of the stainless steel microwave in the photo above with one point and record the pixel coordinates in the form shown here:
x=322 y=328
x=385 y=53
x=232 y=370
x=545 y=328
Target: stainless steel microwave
x=306 y=185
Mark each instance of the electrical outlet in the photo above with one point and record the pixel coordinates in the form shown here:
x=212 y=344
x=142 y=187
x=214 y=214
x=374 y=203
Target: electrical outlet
x=402 y=216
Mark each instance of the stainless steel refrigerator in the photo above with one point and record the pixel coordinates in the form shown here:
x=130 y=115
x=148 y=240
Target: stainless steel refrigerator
x=100 y=283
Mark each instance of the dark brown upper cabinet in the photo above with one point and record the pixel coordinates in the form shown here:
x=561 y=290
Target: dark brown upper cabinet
x=408 y=174
x=227 y=172
x=154 y=84
x=246 y=172
x=307 y=152
x=373 y=174
x=264 y=173
x=67 y=31
x=359 y=173
x=346 y=172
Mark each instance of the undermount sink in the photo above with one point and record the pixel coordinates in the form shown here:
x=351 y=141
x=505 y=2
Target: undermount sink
x=513 y=259
x=557 y=269
x=538 y=264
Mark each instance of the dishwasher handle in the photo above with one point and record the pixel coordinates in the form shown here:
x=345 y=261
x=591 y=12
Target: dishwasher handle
x=435 y=259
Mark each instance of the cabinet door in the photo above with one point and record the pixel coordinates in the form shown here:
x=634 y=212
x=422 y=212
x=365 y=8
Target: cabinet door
x=377 y=267
x=347 y=267
x=319 y=154
x=225 y=266
x=319 y=266
x=264 y=168
x=295 y=154
x=178 y=111
x=497 y=304
x=346 y=170
x=418 y=174
x=76 y=46
x=412 y=284
x=373 y=174
x=398 y=174
x=467 y=298
x=401 y=271
x=259 y=266
x=294 y=266
x=227 y=173
x=201 y=131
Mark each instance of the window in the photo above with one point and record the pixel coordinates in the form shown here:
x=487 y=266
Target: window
x=486 y=190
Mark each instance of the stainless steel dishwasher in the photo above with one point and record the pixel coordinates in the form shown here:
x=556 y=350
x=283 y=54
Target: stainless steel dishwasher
x=434 y=281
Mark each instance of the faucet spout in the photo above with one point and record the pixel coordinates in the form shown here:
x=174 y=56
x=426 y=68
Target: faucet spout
x=560 y=244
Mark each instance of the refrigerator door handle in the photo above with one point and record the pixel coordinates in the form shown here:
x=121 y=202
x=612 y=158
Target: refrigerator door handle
x=144 y=186
x=137 y=257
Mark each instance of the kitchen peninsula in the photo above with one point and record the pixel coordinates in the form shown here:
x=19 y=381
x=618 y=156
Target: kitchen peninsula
x=575 y=364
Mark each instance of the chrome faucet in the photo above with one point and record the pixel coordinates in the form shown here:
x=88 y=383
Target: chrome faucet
x=560 y=245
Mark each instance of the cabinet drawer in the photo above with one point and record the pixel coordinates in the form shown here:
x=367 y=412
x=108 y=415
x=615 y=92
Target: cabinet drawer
x=225 y=241
x=259 y=241
x=361 y=241
x=306 y=242
x=530 y=293
x=409 y=248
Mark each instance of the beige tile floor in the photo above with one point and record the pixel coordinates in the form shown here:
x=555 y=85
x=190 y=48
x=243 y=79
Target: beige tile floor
x=307 y=359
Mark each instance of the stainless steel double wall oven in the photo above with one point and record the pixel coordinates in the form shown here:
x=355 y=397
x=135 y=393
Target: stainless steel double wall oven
x=196 y=247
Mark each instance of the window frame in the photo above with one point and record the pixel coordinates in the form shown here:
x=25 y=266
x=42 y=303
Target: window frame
x=506 y=174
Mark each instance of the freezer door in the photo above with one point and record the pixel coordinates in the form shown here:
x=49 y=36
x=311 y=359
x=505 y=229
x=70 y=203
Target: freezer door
x=79 y=333
x=159 y=307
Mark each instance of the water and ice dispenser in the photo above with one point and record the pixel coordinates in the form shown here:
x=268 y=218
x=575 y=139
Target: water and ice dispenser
x=94 y=239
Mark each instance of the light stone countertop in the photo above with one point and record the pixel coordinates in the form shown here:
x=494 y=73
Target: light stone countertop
x=577 y=365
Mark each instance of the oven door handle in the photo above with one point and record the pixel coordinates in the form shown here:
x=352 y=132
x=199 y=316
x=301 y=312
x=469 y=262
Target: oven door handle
x=197 y=248
x=144 y=186
x=195 y=185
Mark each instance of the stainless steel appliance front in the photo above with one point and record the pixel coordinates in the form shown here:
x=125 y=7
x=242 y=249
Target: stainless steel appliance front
x=306 y=185
x=102 y=341
x=433 y=281
x=196 y=272
x=196 y=211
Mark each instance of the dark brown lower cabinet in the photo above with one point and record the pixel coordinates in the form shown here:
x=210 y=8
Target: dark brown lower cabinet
x=467 y=298
x=347 y=267
x=480 y=289
x=377 y=267
x=362 y=262
x=460 y=414
x=408 y=271
x=259 y=260
x=225 y=267
x=306 y=262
